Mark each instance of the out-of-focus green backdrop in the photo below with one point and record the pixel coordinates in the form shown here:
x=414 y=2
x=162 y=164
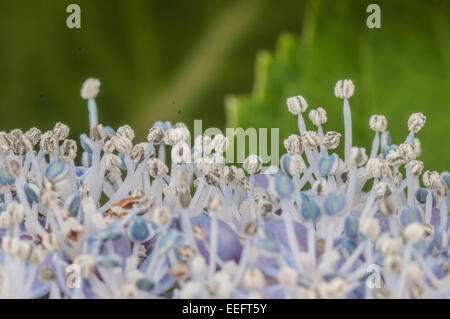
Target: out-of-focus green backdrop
x=180 y=60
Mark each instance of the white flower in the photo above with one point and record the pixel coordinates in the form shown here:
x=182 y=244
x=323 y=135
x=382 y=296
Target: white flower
x=90 y=89
x=252 y=164
x=318 y=117
x=296 y=104
x=378 y=123
x=344 y=89
x=416 y=122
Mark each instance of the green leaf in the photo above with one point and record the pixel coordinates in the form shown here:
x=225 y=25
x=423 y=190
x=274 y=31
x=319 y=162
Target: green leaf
x=399 y=69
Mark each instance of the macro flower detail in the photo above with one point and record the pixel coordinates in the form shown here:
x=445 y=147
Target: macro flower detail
x=166 y=219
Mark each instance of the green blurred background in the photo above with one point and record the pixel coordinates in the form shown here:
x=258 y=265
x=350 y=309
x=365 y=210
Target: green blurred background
x=186 y=60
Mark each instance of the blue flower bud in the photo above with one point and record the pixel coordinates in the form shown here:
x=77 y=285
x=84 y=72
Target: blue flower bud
x=351 y=226
x=281 y=185
x=56 y=171
x=32 y=192
x=328 y=164
x=109 y=261
x=348 y=246
x=80 y=170
x=86 y=143
x=139 y=230
x=334 y=203
x=5 y=178
x=309 y=209
x=145 y=284
x=73 y=203
x=410 y=214
x=421 y=196
x=108 y=130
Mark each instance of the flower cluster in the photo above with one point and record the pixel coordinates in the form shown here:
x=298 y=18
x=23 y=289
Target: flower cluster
x=124 y=225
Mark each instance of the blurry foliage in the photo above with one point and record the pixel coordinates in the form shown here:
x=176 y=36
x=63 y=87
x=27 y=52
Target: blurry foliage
x=402 y=68
x=157 y=60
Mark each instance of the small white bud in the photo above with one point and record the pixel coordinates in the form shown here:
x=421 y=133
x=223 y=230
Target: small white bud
x=90 y=89
x=428 y=176
x=413 y=273
x=288 y=276
x=61 y=131
x=181 y=153
x=129 y=291
x=311 y=139
x=414 y=232
x=112 y=161
x=390 y=246
x=123 y=144
x=220 y=285
x=198 y=265
x=6 y=143
x=416 y=122
x=297 y=164
x=438 y=185
x=416 y=167
x=393 y=263
x=190 y=290
x=162 y=216
x=382 y=190
x=344 y=89
x=126 y=131
x=374 y=167
x=253 y=279
x=358 y=156
x=13 y=167
x=72 y=230
x=48 y=142
x=296 y=104
x=331 y=140
x=370 y=227
x=378 y=123
x=387 y=170
x=155 y=135
x=173 y=136
x=138 y=152
x=220 y=143
x=318 y=117
x=157 y=168
x=406 y=151
x=36 y=256
x=68 y=150
x=34 y=135
x=293 y=144
x=252 y=164
x=320 y=187
x=214 y=203
x=50 y=242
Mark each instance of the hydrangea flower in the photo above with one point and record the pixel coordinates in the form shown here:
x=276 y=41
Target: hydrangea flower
x=128 y=223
